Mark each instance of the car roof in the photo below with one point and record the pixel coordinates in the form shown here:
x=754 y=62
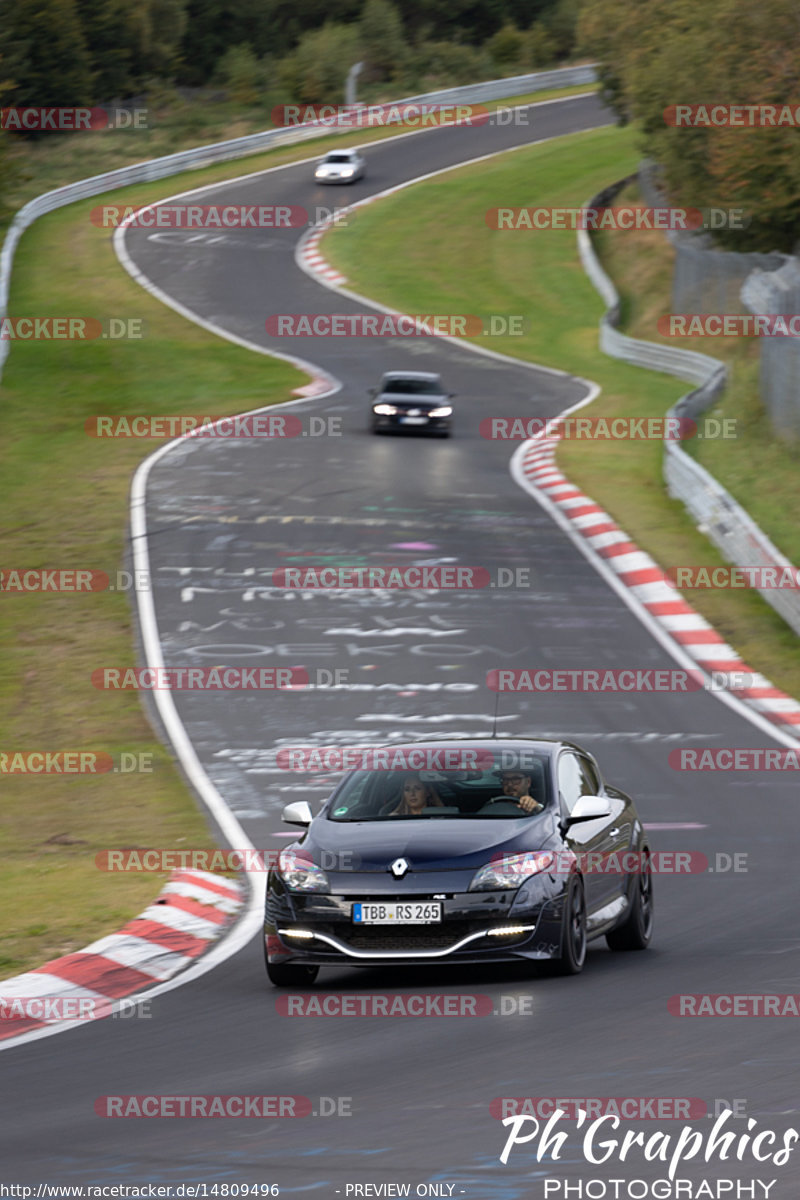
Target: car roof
x=544 y=746
x=410 y=375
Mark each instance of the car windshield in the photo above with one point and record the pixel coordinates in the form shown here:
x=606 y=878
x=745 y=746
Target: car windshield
x=413 y=387
x=488 y=792
x=338 y=158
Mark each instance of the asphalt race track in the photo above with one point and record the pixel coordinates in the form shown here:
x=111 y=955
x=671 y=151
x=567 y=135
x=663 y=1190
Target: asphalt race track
x=222 y=516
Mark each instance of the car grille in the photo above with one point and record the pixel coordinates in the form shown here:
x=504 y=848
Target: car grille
x=422 y=937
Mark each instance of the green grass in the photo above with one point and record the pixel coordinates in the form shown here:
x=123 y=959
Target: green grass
x=758 y=468
x=63 y=497
x=402 y=252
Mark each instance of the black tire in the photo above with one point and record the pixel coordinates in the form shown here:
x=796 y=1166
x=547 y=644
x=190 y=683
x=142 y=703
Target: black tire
x=573 y=931
x=636 y=930
x=293 y=975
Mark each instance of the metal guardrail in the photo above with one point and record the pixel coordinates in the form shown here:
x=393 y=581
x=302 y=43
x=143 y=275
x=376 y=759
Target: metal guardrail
x=204 y=156
x=729 y=526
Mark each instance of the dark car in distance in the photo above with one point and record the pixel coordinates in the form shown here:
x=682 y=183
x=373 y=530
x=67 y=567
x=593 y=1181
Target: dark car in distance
x=414 y=401
x=439 y=864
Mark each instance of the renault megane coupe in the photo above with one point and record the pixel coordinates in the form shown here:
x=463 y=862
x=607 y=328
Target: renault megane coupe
x=460 y=851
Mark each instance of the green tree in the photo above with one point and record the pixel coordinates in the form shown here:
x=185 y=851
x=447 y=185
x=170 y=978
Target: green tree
x=383 y=39
x=240 y=73
x=507 y=48
x=315 y=72
x=108 y=28
x=677 y=52
x=541 y=48
x=45 y=54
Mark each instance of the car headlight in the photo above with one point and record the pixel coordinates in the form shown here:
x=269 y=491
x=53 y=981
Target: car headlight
x=300 y=874
x=510 y=870
x=444 y=411
x=347 y=170
x=384 y=410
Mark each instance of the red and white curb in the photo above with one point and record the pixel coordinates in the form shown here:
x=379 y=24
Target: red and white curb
x=311 y=257
x=191 y=913
x=648 y=584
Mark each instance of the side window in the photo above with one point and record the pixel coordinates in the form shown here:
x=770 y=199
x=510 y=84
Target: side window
x=571 y=782
x=592 y=781
x=576 y=777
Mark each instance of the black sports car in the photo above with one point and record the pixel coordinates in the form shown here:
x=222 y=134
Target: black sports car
x=413 y=401
x=460 y=851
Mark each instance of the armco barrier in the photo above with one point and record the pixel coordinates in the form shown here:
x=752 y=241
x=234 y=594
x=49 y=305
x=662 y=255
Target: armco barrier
x=204 y=156
x=716 y=513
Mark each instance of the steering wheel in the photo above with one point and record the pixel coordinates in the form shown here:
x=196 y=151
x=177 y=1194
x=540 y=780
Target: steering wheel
x=512 y=808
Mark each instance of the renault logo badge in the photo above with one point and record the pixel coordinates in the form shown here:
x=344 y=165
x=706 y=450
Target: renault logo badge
x=399 y=868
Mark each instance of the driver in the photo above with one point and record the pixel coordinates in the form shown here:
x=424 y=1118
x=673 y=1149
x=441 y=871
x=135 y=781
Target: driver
x=517 y=787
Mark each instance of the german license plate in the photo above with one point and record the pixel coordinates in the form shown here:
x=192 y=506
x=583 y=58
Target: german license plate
x=413 y=420
x=395 y=912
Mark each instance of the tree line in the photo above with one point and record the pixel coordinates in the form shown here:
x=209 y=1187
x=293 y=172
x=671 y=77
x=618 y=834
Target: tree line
x=705 y=57
x=90 y=52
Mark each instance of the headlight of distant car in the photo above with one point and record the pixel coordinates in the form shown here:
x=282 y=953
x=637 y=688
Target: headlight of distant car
x=444 y=411
x=510 y=870
x=346 y=170
x=300 y=874
x=384 y=410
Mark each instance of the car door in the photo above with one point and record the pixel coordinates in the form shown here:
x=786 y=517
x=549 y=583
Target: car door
x=592 y=841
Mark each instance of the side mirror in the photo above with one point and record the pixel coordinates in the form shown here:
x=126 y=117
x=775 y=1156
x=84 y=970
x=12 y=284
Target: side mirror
x=372 y=392
x=588 y=808
x=451 y=395
x=297 y=813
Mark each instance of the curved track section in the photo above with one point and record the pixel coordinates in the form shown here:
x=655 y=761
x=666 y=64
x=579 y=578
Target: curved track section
x=221 y=517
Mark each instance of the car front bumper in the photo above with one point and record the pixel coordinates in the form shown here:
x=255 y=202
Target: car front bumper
x=420 y=424
x=318 y=929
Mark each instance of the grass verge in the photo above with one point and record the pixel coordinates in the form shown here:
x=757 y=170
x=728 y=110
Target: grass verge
x=401 y=252
x=757 y=468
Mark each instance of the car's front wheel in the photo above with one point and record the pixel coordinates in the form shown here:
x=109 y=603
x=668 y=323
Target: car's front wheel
x=636 y=930
x=573 y=930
